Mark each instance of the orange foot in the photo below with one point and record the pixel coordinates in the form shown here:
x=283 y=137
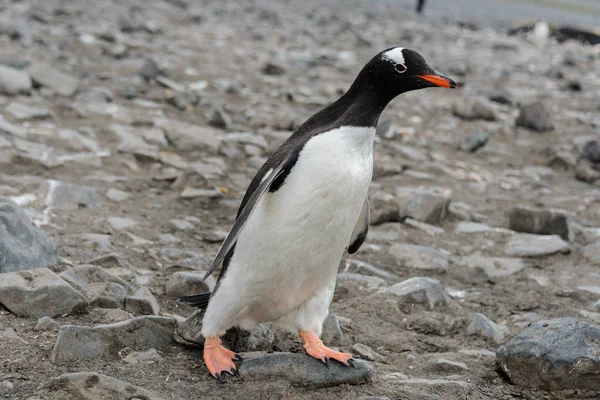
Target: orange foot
x=315 y=348
x=218 y=359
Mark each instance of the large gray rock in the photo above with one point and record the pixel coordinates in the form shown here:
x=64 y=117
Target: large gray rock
x=39 y=293
x=14 y=81
x=418 y=257
x=142 y=302
x=70 y=195
x=483 y=326
x=540 y=221
x=80 y=276
x=423 y=205
x=22 y=246
x=526 y=245
x=45 y=75
x=556 y=354
x=302 y=370
x=23 y=112
x=535 y=117
x=92 y=386
x=384 y=208
x=422 y=290
x=186 y=283
x=103 y=342
x=105 y=294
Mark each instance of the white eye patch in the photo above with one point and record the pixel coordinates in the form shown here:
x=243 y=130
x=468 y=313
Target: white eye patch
x=394 y=55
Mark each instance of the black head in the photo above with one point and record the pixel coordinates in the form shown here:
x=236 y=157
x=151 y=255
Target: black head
x=397 y=70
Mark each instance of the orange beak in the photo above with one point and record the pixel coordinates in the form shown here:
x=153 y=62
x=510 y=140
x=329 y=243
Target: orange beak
x=439 y=80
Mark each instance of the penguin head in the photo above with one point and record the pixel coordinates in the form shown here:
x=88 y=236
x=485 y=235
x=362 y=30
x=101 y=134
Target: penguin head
x=398 y=70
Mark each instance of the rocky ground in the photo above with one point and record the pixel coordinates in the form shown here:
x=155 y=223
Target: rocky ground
x=129 y=132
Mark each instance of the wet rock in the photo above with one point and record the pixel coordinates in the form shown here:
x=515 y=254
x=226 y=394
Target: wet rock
x=22 y=245
x=23 y=112
x=67 y=196
x=137 y=357
x=422 y=205
x=187 y=283
x=493 y=267
x=384 y=208
x=39 y=293
x=116 y=195
x=303 y=371
x=449 y=366
x=556 y=354
x=365 y=352
x=474 y=108
x=46 y=324
x=535 y=117
x=540 y=221
x=474 y=142
x=272 y=68
x=332 y=331
x=80 y=276
x=142 y=302
x=421 y=290
x=92 y=386
x=431 y=388
x=45 y=75
x=187 y=137
x=103 y=342
x=418 y=257
x=14 y=81
x=105 y=294
x=591 y=252
x=120 y=223
x=149 y=70
x=525 y=245
x=483 y=326
x=591 y=151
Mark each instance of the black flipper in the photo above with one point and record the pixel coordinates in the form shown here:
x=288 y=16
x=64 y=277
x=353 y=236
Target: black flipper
x=197 y=300
x=359 y=234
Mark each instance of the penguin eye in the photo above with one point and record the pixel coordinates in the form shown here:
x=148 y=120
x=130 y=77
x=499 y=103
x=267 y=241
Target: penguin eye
x=401 y=68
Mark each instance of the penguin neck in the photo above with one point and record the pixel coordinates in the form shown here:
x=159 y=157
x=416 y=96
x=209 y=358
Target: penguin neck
x=363 y=104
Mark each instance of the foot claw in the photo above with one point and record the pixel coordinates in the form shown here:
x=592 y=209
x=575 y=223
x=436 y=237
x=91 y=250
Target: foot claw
x=315 y=348
x=218 y=359
x=351 y=363
x=326 y=361
x=238 y=357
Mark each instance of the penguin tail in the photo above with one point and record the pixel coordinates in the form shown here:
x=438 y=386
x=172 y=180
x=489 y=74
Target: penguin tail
x=197 y=300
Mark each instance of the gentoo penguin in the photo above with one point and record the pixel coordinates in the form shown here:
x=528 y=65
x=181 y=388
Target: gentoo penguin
x=306 y=205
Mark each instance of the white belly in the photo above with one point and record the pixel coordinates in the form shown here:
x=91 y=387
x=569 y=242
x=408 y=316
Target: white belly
x=293 y=242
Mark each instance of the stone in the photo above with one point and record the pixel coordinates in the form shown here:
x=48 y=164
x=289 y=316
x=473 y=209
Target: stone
x=535 y=117
x=591 y=316
x=438 y=388
x=478 y=353
x=92 y=386
x=142 y=302
x=556 y=354
x=418 y=257
x=149 y=70
x=14 y=81
x=46 y=324
x=109 y=315
x=12 y=129
x=78 y=142
x=472 y=227
x=384 y=208
x=186 y=283
x=120 y=223
x=526 y=245
x=431 y=230
x=39 y=293
x=591 y=151
x=22 y=245
x=485 y=327
x=591 y=252
x=274 y=69
x=181 y=225
x=365 y=352
x=23 y=112
x=369 y=281
x=69 y=196
x=540 y=221
x=587 y=172
x=116 y=195
x=105 y=294
x=422 y=205
x=82 y=275
x=475 y=141
x=131 y=141
x=45 y=75
x=192 y=193
x=186 y=137
x=360 y=267
x=300 y=370
x=421 y=290
x=103 y=342
x=493 y=267
x=136 y=357
x=449 y=366
x=332 y=331
x=36 y=152
x=474 y=108
x=259 y=338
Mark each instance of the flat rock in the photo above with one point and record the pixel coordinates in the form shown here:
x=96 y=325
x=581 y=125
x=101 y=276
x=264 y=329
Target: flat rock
x=422 y=290
x=540 y=221
x=423 y=205
x=46 y=324
x=418 y=257
x=92 y=386
x=555 y=354
x=360 y=267
x=103 y=342
x=105 y=294
x=22 y=245
x=136 y=357
x=80 y=276
x=14 y=81
x=186 y=283
x=131 y=141
x=365 y=352
x=474 y=108
x=535 y=117
x=39 y=293
x=121 y=223
x=188 y=137
x=526 y=245
x=116 y=195
x=472 y=227
x=449 y=366
x=445 y=389
x=24 y=112
x=142 y=302
x=302 y=370
x=483 y=326
x=384 y=208
x=45 y=75
x=475 y=141
x=70 y=196
x=591 y=252
x=493 y=267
